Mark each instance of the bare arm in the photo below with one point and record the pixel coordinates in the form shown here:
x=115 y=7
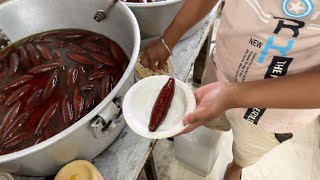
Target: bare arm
x=299 y=91
x=191 y=12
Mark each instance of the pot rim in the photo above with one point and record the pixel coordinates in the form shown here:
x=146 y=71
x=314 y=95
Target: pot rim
x=153 y=4
x=98 y=108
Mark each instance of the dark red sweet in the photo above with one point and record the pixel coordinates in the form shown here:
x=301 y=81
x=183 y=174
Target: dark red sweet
x=67 y=111
x=16 y=140
x=46 y=118
x=10 y=116
x=35 y=57
x=78 y=104
x=72 y=76
x=162 y=105
x=50 y=86
x=19 y=93
x=87 y=87
x=14 y=63
x=57 y=56
x=15 y=125
x=17 y=82
x=34 y=99
x=3 y=74
x=24 y=57
x=106 y=86
x=79 y=58
x=97 y=75
x=76 y=48
x=72 y=36
x=45 y=52
x=94 y=47
x=43 y=41
x=103 y=59
x=43 y=68
x=5 y=53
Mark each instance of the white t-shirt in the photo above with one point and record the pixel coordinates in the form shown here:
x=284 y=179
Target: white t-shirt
x=259 y=39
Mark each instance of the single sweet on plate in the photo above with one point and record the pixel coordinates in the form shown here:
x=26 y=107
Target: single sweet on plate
x=162 y=105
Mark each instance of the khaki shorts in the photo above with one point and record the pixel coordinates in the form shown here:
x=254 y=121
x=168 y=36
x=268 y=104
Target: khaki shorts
x=250 y=142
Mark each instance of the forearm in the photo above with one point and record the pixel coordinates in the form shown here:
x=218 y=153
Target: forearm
x=191 y=12
x=300 y=91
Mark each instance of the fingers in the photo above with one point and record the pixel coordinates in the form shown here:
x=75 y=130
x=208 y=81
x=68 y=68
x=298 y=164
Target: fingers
x=192 y=127
x=188 y=129
x=161 y=64
x=148 y=62
x=144 y=60
x=154 y=56
x=198 y=94
x=186 y=120
x=200 y=114
x=152 y=65
x=194 y=120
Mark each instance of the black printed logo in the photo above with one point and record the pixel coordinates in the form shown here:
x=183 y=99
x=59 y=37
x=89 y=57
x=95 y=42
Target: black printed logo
x=278 y=67
x=254 y=114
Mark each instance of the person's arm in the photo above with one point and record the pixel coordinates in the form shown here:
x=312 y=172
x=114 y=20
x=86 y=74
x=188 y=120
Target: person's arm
x=191 y=12
x=299 y=91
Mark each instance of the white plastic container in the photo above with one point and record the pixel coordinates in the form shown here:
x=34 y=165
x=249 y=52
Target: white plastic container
x=198 y=150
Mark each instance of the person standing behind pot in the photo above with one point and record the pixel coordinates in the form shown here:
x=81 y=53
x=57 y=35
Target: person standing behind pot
x=263 y=78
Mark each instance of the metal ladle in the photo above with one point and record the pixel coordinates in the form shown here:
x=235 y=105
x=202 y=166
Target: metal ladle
x=102 y=14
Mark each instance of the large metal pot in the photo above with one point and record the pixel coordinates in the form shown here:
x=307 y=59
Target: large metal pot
x=85 y=139
x=155 y=17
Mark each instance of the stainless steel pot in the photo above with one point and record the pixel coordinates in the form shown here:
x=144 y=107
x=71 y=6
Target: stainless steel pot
x=85 y=139
x=154 y=18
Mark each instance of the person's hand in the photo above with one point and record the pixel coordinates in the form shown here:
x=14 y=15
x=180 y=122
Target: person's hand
x=155 y=55
x=212 y=100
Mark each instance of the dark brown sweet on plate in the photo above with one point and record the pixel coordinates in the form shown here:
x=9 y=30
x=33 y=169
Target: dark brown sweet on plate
x=162 y=105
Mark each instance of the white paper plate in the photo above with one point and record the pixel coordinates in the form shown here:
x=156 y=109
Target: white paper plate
x=139 y=101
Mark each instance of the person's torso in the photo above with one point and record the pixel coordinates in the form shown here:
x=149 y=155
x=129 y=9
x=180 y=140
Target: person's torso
x=260 y=39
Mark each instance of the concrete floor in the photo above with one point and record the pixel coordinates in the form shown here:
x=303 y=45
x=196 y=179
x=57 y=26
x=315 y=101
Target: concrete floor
x=296 y=159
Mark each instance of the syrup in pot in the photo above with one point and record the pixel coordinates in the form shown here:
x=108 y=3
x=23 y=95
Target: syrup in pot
x=50 y=80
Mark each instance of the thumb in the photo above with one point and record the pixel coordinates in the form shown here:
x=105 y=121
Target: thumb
x=200 y=114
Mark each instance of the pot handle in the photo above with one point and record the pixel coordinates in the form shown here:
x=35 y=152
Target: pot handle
x=107 y=121
x=4 y=40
